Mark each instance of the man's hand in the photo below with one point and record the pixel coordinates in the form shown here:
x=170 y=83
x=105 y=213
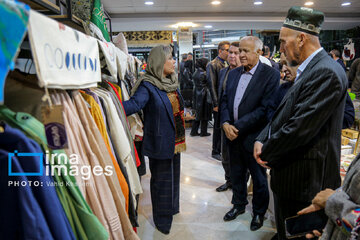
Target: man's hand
x=216 y=109
x=321 y=198
x=231 y=131
x=257 y=151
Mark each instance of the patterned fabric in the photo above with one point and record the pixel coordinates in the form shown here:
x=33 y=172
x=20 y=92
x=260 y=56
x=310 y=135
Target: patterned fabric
x=82 y=9
x=178 y=110
x=343 y=207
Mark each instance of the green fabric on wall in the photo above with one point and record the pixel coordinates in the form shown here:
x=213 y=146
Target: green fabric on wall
x=98 y=18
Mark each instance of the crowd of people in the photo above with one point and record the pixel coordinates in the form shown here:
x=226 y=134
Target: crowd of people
x=285 y=117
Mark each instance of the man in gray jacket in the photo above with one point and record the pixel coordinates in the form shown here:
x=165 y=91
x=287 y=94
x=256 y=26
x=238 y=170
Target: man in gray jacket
x=212 y=73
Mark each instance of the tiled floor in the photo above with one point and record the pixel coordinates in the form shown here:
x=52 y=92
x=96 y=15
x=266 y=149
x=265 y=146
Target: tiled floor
x=201 y=207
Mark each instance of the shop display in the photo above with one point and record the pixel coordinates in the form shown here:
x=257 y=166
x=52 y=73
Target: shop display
x=92 y=181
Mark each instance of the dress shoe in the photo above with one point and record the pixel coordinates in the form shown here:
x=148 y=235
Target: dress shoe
x=256 y=222
x=194 y=134
x=205 y=134
x=164 y=231
x=275 y=237
x=223 y=187
x=216 y=156
x=233 y=213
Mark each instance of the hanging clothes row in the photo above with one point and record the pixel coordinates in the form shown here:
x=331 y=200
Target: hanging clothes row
x=90 y=188
x=98 y=132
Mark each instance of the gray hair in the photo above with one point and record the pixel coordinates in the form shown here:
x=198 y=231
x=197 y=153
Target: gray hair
x=167 y=51
x=257 y=42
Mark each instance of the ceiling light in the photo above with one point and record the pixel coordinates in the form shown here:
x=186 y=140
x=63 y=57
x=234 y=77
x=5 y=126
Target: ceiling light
x=258 y=3
x=215 y=2
x=309 y=3
x=208 y=26
x=184 y=24
x=346 y=4
x=149 y=3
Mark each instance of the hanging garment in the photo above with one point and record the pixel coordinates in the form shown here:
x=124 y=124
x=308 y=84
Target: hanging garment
x=101 y=150
x=101 y=200
x=124 y=166
x=84 y=223
x=121 y=112
x=97 y=115
x=103 y=115
x=29 y=212
x=121 y=143
x=136 y=125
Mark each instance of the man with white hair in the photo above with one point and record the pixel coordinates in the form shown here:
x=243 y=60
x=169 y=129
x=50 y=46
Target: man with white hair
x=243 y=115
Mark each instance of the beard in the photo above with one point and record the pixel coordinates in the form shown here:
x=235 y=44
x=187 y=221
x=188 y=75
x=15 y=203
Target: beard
x=293 y=63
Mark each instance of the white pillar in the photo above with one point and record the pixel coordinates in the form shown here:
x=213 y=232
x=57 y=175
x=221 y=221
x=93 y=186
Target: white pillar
x=185 y=41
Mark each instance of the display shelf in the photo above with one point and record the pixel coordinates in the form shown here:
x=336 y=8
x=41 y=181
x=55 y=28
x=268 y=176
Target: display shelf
x=73 y=21
x=43 y=6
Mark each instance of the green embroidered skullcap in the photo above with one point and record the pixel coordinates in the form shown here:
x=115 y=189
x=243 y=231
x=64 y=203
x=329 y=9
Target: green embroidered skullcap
x=304 y=19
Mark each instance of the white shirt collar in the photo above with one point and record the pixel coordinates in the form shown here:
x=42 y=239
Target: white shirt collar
x=302 y=67
x=252 y=71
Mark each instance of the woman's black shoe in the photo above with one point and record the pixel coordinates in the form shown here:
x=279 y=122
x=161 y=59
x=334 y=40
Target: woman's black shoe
x=164 y=231
x=194 y=134
x=205 y=134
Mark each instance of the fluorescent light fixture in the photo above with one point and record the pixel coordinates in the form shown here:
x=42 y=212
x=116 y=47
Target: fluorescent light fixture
x=346 y=4
x=205 y=46
x=208 y=26
x=309 y=3
x=215 y=2
x=235 y=38
x=149 y=3
x=184 y=24
x=258 y=3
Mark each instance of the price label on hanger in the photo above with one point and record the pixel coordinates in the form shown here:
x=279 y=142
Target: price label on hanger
x=53 y=120
x=64 y=58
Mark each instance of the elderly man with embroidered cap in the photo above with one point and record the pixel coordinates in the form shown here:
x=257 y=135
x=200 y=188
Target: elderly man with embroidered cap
x=302 y=142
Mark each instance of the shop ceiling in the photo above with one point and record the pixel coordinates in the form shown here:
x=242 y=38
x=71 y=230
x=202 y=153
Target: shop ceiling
x=134 y=15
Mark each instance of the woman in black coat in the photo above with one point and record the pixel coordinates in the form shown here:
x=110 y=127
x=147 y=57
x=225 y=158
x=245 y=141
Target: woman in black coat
x=201 y=99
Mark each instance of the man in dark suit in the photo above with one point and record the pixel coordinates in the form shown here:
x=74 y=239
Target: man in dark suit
x=234 y=62
x=248 y=91
x=182 y=79
x=336 y=56
x=301 y=144
x=267 y=54
x=212 y=74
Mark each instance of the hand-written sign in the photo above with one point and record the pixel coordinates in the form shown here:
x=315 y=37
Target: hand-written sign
x=64 y=58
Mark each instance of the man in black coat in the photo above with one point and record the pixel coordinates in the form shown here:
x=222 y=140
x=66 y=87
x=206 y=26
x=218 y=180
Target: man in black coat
x=248 y=91
x=302 y=142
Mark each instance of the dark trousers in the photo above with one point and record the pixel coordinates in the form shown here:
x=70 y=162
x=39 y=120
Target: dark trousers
x=240 y=162
x=216 y=146
x=197 y=124
x=165 y=190
x=285 y=208
x=225 y=158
